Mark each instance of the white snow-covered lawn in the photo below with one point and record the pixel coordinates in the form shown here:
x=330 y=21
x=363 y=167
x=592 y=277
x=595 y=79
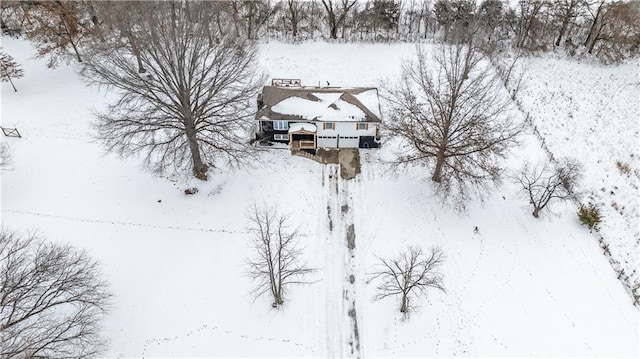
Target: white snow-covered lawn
x=519 y=287
x=590 y=113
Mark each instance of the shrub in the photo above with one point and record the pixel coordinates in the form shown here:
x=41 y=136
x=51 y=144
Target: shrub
x=623 y=167
x=190 y=191
x=590 y=216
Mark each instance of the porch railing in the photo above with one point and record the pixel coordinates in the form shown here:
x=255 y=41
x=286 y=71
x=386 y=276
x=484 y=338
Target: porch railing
x=303 y=145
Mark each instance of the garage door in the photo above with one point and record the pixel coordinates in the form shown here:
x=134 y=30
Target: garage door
x=327 y=141
x=349 y=142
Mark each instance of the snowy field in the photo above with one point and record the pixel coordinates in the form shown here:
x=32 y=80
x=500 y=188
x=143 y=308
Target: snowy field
x=520 y=287
x=592 y=115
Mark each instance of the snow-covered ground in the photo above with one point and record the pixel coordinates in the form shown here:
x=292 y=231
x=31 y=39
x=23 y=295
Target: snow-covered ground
x=591 y=113
x=520 y=287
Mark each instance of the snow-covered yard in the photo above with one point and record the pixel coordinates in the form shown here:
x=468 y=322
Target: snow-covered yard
x=590 y=113
x=176 y=263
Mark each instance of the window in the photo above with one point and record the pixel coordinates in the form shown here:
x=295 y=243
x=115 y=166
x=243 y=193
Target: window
x=280 y=125
x=328 y=126
x=362 y=126
x=280 y=137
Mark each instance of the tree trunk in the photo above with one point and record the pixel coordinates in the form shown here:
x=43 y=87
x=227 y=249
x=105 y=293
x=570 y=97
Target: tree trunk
x=333 y=25
x=75 y=49
x=593 y=44
x=250 y=22
x=277 y=293
x=173 y=14
x=95 y=21
x=536 y=212
x=405 y=304
x=563 y=29
x=293 y=11
x=187 y=11
x=136 y=52
x=12 y=85
x=596 y=35
x=69 y=37
x=527 y=24
x=593 y=24
x=236 y=19
x=199 y=168
x=294 y=28
x=437 y=173
x=334 y=31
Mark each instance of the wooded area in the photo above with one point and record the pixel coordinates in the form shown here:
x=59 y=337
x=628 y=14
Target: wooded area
x=609 y=30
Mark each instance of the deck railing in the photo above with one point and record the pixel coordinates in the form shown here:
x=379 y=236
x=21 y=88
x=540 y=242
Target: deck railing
x=303 y=145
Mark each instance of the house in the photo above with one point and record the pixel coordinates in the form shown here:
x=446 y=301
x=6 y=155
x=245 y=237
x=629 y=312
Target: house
x=308 y=118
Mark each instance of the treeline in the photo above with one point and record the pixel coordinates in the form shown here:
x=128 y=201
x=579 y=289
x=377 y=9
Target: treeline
x=609 y=30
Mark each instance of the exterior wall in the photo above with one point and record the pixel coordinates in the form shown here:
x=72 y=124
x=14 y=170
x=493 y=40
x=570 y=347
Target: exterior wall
x=266 y=131
x=327 y=141
x=345 y=134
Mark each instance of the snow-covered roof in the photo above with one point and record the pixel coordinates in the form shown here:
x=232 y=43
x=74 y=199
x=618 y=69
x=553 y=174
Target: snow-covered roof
x=371 y=101
x=296 y=127
x=326 y=104
x=327 y=107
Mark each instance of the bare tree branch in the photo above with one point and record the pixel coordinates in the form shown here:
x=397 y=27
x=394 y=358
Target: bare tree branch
x=409 y=275
x=52 y=299
x=278 y=258
x=452 y=116
x=9 y=69
x=543 y=183
x=192 y=106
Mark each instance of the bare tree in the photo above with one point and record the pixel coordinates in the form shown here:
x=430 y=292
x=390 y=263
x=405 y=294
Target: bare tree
x=249 y=16
x=566 y=12
x=543 y=183
x=194 y=104
x=55 y=27
x=294 y=14
x=409 y=275
x=123 y=18
x=529 y=22
x=616 y=31
x=596 y=21
x=337 y=14
x=453 y=114
x=52 y=299
x=9 y=69
x=278 y=261
x=510 y=69
x=12 y=15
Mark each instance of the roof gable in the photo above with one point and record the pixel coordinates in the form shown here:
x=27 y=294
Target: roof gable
x=328 y=104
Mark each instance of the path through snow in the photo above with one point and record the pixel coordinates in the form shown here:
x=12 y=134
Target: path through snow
x=340 y=264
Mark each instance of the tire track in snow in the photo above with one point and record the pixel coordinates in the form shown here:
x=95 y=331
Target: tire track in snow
x=315 y=319
x=342 y=335
x=334 y=267
x=351 y=261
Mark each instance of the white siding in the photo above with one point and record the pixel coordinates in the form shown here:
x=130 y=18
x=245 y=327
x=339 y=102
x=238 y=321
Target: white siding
x=326 y=141
x=348 y=132
x=349 y=142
